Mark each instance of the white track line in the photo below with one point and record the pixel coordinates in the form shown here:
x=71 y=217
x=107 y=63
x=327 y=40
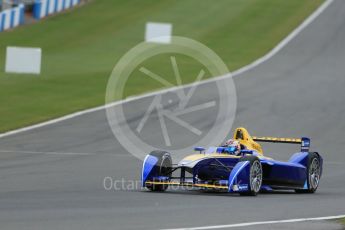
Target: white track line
x=262 y=223
x=261 y=60
x=47 y=153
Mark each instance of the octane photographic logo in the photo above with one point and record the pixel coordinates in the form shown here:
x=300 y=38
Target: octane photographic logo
x=179 y=117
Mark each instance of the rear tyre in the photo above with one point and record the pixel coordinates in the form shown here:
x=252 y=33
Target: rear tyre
x=162 y=168
x=255 y=177
x=313 y=174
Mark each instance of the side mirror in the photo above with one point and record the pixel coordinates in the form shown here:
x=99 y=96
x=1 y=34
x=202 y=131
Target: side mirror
x=199 y=149
x=246 y=151
x=220 y=149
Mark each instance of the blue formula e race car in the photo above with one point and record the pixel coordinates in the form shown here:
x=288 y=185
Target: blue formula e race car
x=245 y=171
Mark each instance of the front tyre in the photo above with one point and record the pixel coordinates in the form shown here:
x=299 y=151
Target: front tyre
x=255 y=176
x=313 y=174
x=162 y=169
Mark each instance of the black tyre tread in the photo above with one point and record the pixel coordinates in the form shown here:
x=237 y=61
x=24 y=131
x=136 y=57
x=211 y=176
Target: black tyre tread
x=311 y=156
x=251 y=160
x=160 y=154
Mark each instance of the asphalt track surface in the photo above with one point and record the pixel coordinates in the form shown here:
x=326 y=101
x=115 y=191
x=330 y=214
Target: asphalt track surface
x=52 y=177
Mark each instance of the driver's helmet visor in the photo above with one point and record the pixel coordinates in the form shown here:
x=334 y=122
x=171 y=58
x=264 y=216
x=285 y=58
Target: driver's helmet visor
x=232 y=149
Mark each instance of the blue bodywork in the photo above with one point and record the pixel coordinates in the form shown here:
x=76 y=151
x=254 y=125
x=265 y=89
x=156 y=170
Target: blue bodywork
x=148 y=170
x=276 y=174
x=234 y=173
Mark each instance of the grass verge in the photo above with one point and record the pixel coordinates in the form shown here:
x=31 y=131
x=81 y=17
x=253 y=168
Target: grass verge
x=342 y=221
x=81 y=46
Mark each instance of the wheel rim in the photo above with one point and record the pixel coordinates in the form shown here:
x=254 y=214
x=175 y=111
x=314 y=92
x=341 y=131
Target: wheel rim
x=314 y=173
x=256 y=176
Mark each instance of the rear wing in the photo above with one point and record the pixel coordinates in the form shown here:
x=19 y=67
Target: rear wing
x=304 y=141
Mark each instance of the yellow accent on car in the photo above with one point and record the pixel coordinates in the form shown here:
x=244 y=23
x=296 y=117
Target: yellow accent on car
x=187 y=184
x=278 y=139
x=243 y=136
x=200 y=156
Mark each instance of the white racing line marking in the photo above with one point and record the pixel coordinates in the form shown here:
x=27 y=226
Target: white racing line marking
x=262 y=223
x=47 y=153
x=261 y=60
x=334 y=163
